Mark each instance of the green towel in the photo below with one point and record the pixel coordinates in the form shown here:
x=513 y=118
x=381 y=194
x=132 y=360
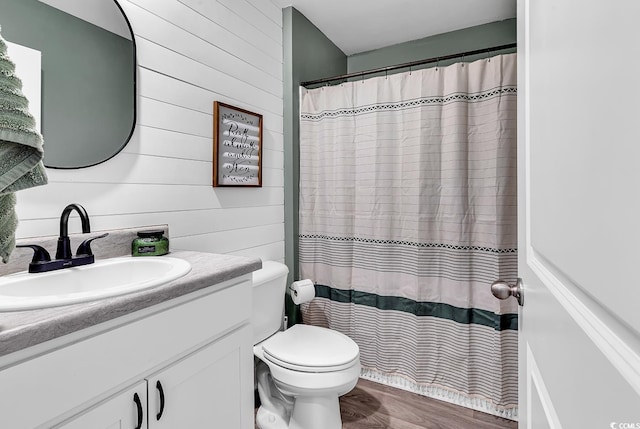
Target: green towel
x=8 y=224
x=20 y=150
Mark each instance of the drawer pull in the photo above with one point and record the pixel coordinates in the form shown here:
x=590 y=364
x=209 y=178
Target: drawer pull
x=161 y=391
x=136 y=399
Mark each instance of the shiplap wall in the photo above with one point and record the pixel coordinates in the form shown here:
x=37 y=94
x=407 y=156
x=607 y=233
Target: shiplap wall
x=189 y=53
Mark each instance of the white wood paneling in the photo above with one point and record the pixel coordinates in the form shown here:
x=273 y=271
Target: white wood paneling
x=268 y=9
x=158 y=114
x=231 y=240
x=182 y=222
x=190 y=53
x=170 y=144
x=127 y=198
x=160 y=87
x=208 y=30
x=251 y=15
x=229 y=88
x=218 y=12
x=150 y=26
x=151 y=169
x=272 y=252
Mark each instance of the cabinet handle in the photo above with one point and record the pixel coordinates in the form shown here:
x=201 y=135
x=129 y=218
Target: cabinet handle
x=136 y=399
x=161 y=391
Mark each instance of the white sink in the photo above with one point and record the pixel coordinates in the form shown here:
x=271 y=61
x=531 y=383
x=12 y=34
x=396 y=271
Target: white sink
x=102 y=279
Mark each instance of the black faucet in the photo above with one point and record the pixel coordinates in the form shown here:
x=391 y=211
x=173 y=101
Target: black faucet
x=42 y=262
x=64 y=245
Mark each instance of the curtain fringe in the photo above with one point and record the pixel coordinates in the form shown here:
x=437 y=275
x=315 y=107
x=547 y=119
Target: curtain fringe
x=441 y=393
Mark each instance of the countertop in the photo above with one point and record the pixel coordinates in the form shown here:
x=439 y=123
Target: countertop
x=23 y=329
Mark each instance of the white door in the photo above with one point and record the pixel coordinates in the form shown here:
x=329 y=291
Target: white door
x=579 y=213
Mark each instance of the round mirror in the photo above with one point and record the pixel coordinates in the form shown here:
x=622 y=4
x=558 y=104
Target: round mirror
x=88 y=86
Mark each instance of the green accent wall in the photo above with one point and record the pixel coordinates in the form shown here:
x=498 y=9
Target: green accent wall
x=308 y=55
x=468 y=39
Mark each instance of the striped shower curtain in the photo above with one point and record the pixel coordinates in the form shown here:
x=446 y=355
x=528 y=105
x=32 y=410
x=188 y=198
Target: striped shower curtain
x=407 y=215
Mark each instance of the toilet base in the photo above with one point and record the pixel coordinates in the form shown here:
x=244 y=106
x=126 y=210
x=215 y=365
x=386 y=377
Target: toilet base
x=308 y=413
x=297 y=408
x=316 y=413
x=267 y=420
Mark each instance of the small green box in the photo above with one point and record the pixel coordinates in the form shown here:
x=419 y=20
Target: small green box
x=150 y=243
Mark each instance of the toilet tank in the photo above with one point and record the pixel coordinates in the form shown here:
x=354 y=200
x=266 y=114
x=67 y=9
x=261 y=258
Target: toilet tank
x=269 y=288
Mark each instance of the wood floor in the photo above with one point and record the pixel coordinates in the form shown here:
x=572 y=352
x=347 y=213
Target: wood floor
x=371 y=405
x=375 y=406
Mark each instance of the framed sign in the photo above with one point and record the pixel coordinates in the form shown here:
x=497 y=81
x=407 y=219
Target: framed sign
x=237 y=146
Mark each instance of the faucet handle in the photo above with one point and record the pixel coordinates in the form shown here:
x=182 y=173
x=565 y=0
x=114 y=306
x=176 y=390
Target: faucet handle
x=40 y=254
x=85 y=246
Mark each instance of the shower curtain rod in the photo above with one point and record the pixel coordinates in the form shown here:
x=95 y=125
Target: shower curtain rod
x=409 y=64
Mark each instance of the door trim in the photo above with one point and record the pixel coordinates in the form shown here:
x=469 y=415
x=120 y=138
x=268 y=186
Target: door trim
x=595 y=321
x=534 y=378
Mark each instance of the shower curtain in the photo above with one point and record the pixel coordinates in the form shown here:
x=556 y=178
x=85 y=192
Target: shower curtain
x=407 y=215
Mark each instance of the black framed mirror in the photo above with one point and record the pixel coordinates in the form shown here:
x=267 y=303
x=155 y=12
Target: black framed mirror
x=88 y=75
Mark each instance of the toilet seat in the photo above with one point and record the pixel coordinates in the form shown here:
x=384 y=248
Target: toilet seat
x=307 y=348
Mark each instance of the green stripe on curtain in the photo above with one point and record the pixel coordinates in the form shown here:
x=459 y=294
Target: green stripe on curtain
x=499 y=322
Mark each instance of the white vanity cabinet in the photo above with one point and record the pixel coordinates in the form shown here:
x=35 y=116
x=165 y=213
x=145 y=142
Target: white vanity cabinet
x=201 y=390
x=189 y=361
x=119 y=411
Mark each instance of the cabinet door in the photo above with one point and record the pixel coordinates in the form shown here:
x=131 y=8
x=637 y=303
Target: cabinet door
x=125 y=410
x=211 y=388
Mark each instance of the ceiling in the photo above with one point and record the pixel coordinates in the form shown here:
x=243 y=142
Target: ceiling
x=362 y=25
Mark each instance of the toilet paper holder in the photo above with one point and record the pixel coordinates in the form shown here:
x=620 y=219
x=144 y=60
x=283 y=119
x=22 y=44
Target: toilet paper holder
x=302 y=291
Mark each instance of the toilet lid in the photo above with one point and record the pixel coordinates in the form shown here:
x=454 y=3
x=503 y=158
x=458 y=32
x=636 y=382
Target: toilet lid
x=311 y=349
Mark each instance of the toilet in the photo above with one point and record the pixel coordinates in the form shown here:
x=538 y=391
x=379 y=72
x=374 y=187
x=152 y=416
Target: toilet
x=302 y=371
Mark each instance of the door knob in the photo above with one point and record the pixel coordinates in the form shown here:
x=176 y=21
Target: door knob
x=503 y=290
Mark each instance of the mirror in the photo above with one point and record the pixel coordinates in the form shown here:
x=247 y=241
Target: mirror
x=87 y=78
